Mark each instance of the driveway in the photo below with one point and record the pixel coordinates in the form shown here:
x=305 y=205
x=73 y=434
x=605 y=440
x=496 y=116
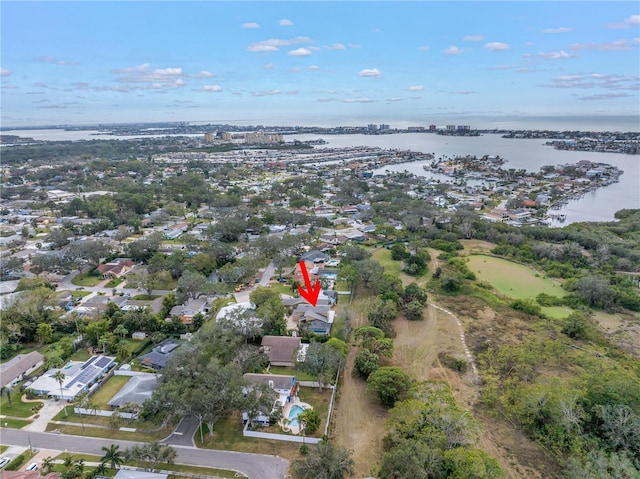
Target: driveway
x=46 y=414
x=254 y=466
x=183 y=434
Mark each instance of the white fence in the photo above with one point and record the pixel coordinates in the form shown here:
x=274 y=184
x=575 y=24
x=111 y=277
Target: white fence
x=279 y=437
x=98 y=412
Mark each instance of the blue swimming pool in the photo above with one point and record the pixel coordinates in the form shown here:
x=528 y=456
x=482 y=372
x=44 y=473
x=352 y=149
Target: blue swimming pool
x=293 y=415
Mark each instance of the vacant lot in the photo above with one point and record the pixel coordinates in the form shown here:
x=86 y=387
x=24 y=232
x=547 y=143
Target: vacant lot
x=107 y=391
x=511 y=279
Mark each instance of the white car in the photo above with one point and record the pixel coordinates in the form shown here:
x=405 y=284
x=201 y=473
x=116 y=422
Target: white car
x=3 y=462
x=32 y=467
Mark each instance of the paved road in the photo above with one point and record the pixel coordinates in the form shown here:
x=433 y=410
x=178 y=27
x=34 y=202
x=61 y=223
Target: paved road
x=254 y=466
x=183 y=434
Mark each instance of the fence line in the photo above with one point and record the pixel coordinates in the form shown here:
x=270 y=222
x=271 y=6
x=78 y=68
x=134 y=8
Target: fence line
x=279 y=437
x=331 y=403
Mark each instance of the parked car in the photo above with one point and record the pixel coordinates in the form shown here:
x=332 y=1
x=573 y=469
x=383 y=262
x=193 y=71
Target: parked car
x=32 y=467
x=3 y=462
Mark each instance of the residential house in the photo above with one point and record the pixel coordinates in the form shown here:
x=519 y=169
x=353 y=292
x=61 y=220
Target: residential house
x=282 y=350
x=315 y=257
x=22 y=365
x=78 y=377
x=116 y=268
x=160 y=354
x=187 y=311
x=137 y=390
x=285 y=387
x=316 y=318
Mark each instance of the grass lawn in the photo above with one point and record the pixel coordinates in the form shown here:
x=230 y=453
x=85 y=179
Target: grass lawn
x=557 y=312
x=284 y=371
x=167 y=467
x=511 y=279
x=282 y=288
x=14 y=423
x=144 y=297
x=87 y=279
x=17 y=408
x=114 y=282
x=3 y=448
x=383 y=256
x=108 y=390
x=111 y=433
x=80 y=355
x=320 y=402
x=228 y=436
x=78 y=294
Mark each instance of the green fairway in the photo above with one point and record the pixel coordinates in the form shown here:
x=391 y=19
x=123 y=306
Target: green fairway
x=512 y=279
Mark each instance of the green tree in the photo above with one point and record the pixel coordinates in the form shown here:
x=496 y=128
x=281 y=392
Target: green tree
x=322 y=362
x=113 y=456
x=390 y=384
x=412 y=460
x=151 y=454
x=324 y=462
x=7 y=391
x=414 y=311
x=463 y=463
x=310 y=420
x=60 y=378
x=365 y=363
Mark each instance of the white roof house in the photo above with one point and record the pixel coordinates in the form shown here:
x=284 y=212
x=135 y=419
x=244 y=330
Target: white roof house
x=78 y=377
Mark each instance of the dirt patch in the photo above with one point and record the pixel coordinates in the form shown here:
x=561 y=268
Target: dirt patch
x=623 y=329
x=359 y=423
x=477 y=246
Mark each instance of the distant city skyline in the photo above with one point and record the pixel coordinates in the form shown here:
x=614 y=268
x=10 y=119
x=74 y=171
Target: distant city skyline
x=489 y=64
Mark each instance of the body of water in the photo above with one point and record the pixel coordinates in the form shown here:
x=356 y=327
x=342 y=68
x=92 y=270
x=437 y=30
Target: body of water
x=598 y=205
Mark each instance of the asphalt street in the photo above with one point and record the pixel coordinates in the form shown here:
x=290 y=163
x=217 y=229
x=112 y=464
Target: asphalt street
x=254 y=466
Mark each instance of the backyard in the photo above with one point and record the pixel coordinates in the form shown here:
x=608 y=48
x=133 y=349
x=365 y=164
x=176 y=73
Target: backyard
x=91 y=278
x=107 y=391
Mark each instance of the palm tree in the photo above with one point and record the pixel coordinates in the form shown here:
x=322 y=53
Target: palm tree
x=112 y=456
x=7 y=391
x=47 y=464
x=60 y=377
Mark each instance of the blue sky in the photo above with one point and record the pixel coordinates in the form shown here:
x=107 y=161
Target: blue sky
x=318 y=63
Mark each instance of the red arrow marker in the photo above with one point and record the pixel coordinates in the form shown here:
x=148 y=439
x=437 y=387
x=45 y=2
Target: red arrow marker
x=310 y=294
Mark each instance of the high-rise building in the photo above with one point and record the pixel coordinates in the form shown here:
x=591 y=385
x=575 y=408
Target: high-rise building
x=209 y=137
x=383 y=126
x=432 y=127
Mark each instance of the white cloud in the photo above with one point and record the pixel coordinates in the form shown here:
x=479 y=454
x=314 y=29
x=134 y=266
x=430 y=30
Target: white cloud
x=370 y=72
x=632 y=21
x=294 y=69
x=262 y=48
x=394 y=99
x=145 y=78
x=357 y=100
x=423 y=48
x=5 y=72
x=473 y=38
x=268 y=66
x=292 y=92
x=211 y=88
x=273 y=44
x=314 y=67
x=335 y=46
x=550 y=55
x=355 y=45
x=603 y=96
x=415 y=88
x=617 y=46
x=52 y=59
x=285 y=23
x=596 y=80
x=204 y=74
x=496 y=46
x=300 y=52
x=266 y=93
x=462 y=92
x=250 y=25
x=557 y=30
x=452 y=50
